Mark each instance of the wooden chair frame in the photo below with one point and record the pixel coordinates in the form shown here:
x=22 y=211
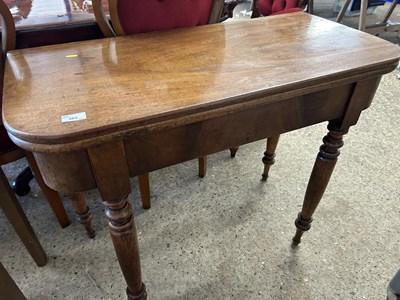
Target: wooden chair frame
x=117 y=30
x=8 y=43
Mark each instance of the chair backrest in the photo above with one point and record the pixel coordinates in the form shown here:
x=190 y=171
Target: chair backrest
x=8 y=29
x=138 y=16
x=274 y=7
x=7 y=43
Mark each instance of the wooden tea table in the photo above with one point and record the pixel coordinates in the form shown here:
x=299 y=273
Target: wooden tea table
x=97 y=112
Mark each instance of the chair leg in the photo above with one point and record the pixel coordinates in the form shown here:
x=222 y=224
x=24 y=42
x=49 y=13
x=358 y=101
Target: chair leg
x=52 y=196
x=233 y=151
x=82 y=213
x=144 y=187
x=269 y=155
x=8 y=287
x=254 y=9
x=21 y=184
x=202 y=166
x=14 y=213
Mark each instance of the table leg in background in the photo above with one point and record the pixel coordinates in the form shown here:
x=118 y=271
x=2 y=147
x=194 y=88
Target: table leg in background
x=269 y=155
x=82 y=213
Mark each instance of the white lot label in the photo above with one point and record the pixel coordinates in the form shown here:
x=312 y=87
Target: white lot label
x=74 y=117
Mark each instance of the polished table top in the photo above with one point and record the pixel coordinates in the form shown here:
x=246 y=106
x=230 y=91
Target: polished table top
x=133 y=82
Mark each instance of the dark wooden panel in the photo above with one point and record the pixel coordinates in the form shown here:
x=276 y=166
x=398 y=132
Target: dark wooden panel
x=57 y=34
x=160 y=149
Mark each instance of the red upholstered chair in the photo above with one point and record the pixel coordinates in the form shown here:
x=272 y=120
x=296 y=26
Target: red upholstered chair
x=9 y=152
x=138 y=16
x=275 y=7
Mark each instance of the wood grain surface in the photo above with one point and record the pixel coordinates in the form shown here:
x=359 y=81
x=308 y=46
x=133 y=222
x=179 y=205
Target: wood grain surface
x=153 y=100
x=127 y=83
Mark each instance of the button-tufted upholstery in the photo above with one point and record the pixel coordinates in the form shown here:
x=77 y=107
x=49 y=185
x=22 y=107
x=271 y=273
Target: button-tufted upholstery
x=137 y=16
x=276 y=7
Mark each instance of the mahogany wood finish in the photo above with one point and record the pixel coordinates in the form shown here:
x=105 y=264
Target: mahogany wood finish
x=323 y=168
x=269 y=155
x=115 y=28
x=202 y=166
x=112 y=177
x=57 y=34
x=182 y=101
x=233 y=151
x=144 y=188
x=272 y=142
x=82 y=213
x=51 y=195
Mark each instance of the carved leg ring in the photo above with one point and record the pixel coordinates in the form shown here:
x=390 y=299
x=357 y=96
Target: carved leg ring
x=112 y=176
x=269 y=155
x=321 y=173
x=124 y=237
x=82 y=213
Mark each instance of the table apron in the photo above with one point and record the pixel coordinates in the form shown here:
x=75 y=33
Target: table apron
x=72 y=171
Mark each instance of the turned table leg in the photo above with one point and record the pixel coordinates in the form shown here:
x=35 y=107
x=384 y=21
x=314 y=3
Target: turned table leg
x=144 y=187
x=320 y=175
x=124 y=237
x=202 y=166
x=82 y=213
x=233 y=151
x=269 y=155
x=112 y=177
